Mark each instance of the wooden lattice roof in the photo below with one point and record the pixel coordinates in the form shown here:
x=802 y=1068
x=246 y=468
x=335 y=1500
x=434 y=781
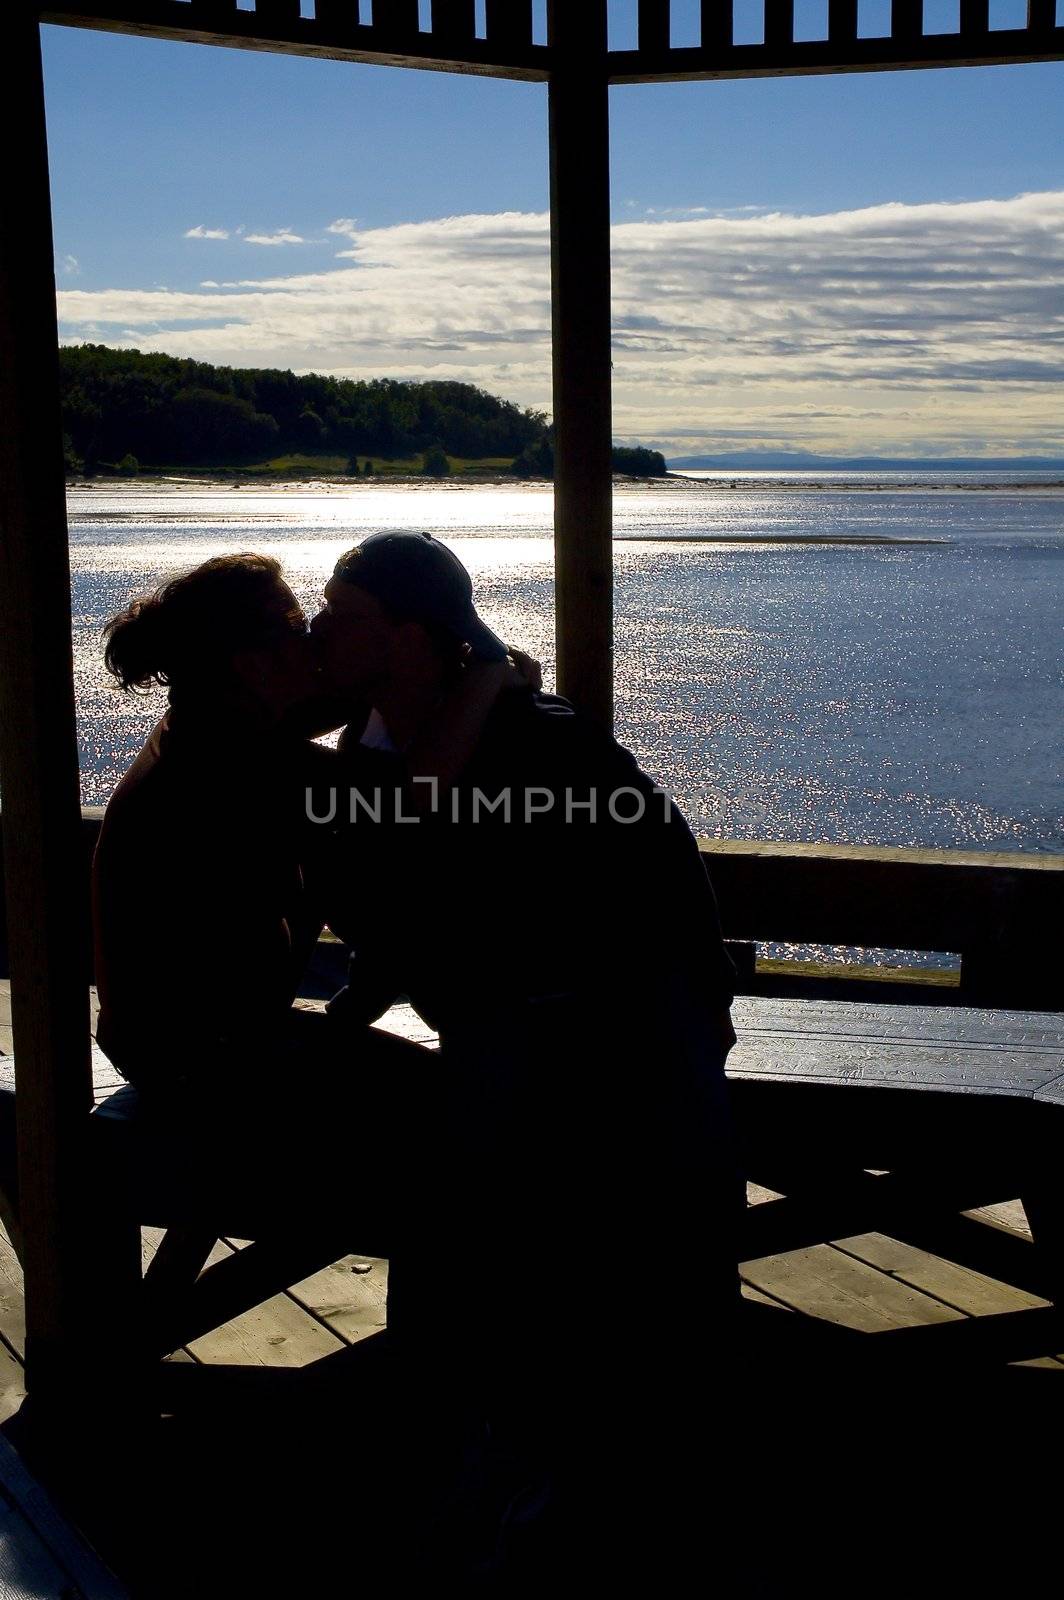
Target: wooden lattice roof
x=509 y=47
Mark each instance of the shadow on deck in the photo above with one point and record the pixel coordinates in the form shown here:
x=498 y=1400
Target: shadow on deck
x=815 y=1460
x=877 y=1378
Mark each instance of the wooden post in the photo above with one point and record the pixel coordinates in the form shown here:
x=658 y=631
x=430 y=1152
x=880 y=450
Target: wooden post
x=43 y=853
x=580 y=294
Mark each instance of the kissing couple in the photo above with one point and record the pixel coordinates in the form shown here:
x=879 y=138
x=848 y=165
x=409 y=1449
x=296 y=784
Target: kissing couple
x=555 y=1185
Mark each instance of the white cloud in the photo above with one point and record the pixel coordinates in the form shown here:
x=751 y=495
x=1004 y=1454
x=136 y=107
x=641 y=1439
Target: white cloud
x=69 y=266
x=200 y=232
x=279 y=236
x=933 y=328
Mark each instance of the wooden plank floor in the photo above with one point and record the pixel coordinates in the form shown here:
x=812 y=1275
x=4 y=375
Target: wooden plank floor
x=797 y=1432
x=868 y=1284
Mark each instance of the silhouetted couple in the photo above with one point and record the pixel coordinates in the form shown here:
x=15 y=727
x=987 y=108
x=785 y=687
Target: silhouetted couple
x=555 y=1187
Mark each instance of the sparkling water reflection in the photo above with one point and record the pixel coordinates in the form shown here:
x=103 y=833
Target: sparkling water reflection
x=864 y=692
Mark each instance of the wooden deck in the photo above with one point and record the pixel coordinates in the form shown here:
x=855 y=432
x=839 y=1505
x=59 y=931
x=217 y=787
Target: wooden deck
x=869 y=1283
x=815 y=1429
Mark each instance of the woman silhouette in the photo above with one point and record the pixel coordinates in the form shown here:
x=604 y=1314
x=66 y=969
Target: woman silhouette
x=205 y=909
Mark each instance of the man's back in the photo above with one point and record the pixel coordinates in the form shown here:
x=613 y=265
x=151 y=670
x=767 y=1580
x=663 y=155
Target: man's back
x=554 y=865
x=572 y=961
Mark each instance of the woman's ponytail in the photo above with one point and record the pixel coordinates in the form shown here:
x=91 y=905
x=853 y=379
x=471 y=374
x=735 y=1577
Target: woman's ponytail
x=192 y=627
x=139 y=648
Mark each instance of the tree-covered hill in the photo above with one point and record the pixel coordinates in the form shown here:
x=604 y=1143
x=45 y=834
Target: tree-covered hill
x=170 y=412
x=160 y=411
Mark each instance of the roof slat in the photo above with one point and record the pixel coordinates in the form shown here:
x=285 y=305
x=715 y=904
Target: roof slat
x=1041 y=15
x=217 y=12
x=779 y=22
x=335 y=13
x=906 y=19
x=454 y=21
x=510 y=23
x=397 y=20
x=975 y=16
x=718 y=24
x=842 y=21
x=653 y=24
x=277 y=10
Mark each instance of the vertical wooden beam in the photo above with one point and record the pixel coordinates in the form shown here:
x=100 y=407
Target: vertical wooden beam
x=718 y=24
x=580 y=294
x=43 y=856
x=510 y=22
x=654 y=35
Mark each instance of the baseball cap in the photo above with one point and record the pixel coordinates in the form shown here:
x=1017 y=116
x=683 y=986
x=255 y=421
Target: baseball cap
x=419 y=578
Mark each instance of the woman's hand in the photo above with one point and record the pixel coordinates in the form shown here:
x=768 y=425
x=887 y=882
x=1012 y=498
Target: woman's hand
x=442 y=749
x=530 y=671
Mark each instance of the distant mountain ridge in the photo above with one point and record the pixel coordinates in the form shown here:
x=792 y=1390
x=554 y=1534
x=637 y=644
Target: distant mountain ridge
x=798 y=461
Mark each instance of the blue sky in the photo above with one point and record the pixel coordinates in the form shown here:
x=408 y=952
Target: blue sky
x=326 y=180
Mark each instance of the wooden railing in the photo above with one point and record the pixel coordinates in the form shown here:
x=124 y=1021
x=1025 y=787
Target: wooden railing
x=388 y=32
x=998 y=912
x=778 y=48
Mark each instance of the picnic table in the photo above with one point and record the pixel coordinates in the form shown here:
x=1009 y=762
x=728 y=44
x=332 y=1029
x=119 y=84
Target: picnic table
x=863 y=1113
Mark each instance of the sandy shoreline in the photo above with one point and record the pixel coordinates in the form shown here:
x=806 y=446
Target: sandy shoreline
x=675 y=483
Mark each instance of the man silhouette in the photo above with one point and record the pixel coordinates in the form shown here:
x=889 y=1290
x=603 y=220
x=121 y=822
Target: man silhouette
x=551 y=916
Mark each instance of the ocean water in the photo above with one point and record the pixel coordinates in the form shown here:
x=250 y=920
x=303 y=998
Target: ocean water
x=871 y=660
